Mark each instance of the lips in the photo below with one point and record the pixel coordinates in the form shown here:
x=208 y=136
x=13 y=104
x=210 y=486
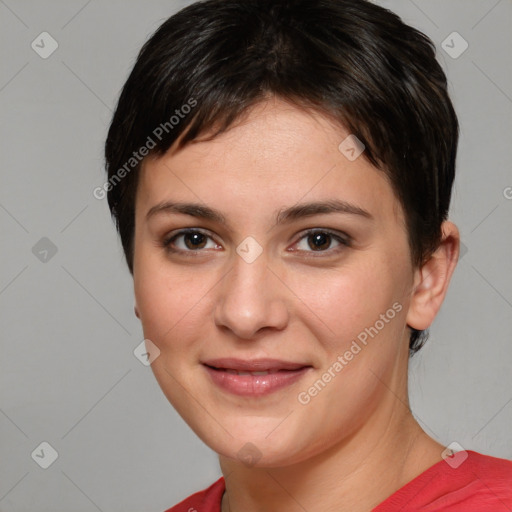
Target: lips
x=253 y=365
x=254 y=377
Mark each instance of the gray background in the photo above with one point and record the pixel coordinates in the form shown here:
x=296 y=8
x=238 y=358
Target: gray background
x=68 y=373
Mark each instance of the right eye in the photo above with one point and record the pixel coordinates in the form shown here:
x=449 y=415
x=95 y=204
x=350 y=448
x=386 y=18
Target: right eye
x=188 y=241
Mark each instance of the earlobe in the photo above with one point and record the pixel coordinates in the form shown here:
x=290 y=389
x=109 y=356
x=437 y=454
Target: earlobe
x=136 y=311
x=431 y=281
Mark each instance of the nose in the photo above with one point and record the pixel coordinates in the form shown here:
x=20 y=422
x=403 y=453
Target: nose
x=252 y=299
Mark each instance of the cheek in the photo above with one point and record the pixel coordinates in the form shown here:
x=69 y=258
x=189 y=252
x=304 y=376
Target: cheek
x=358 y=317
x=343 y=302
x=167 y=297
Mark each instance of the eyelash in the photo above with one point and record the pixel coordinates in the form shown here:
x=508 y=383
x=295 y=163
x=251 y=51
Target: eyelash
x=344 y=241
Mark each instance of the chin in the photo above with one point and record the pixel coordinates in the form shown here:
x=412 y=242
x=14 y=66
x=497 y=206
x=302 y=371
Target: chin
x=258 y=447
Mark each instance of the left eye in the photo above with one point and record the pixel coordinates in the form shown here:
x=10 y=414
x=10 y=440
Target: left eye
x=320 y=241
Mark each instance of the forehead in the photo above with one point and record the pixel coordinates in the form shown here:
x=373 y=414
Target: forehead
x=277 y=154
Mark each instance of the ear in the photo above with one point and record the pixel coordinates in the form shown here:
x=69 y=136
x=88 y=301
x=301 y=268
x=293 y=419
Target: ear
x=432 y=279
x=136 y=311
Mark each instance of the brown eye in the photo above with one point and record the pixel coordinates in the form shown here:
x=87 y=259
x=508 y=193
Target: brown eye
x=191 y=240
x=322 y=241
x=319 y=241
x=194 y=240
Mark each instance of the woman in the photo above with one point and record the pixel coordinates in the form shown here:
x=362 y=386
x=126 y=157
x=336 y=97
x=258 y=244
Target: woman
x=280 y=174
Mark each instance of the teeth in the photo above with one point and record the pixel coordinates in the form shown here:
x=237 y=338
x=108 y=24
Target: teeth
x=236 y=372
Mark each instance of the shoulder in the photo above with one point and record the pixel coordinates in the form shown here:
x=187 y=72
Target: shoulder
x=474 y=482
x=490 y=470
x=467 y=482
x=207 y=500
x=489 y=461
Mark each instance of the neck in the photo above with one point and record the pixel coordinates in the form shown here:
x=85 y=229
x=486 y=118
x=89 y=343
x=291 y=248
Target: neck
x=355 y=475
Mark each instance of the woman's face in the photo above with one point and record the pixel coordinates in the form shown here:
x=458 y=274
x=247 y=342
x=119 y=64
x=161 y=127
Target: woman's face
x=253 y=282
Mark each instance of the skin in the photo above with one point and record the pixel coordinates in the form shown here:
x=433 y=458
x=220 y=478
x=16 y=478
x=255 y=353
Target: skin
x=293 y=303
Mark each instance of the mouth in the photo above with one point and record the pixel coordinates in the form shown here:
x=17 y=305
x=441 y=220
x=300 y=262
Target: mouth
x=241 y=372
x=256 y=377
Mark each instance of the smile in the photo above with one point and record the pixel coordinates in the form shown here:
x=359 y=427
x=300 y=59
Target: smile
x=256 y=377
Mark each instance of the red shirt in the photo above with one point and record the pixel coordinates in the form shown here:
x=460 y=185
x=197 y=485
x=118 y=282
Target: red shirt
x=481 y=483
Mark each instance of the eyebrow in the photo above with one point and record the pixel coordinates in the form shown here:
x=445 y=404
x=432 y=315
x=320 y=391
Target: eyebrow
x=283 y=216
